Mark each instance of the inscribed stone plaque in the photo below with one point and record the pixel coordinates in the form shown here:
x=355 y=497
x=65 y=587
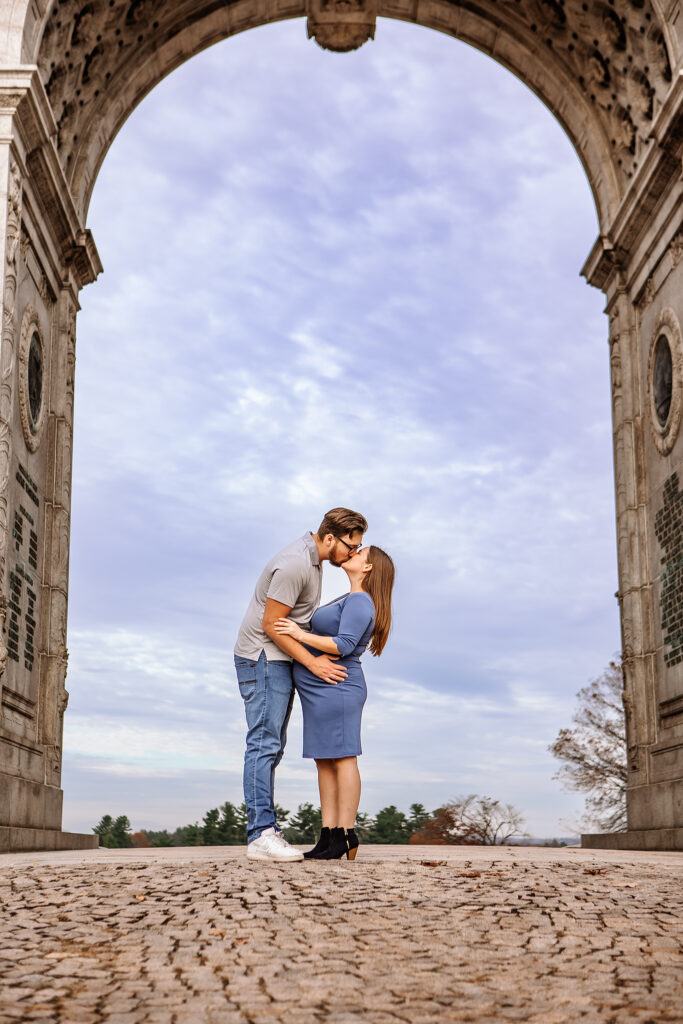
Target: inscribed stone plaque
x=20 y=682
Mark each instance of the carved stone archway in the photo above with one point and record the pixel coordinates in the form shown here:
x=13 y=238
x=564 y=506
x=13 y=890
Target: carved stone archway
x=71 y=71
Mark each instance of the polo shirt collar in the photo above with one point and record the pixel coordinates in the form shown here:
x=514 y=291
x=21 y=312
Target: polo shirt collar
x=312 y=547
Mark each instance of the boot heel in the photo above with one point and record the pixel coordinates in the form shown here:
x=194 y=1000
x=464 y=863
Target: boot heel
x=351 y=855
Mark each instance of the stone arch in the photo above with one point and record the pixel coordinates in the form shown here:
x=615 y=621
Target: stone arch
x=71 y=72
x=602 y=69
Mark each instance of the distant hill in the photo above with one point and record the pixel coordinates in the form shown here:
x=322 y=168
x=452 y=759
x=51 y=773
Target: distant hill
x=554 y=841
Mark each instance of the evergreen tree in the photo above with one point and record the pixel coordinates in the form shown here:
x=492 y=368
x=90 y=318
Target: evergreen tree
x=390 y=826
x=242 y=824
x=211 y=831
x=114 y=834
x=103 y=828
x=305 y=825
x=281 y=814
x=418 y=816
x=188 y=835
x=229 y=827
x=120 y=833
x=162 y=838
x=365 y=827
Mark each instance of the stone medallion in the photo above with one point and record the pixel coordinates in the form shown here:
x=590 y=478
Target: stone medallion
x=665 y=381
x=32 y=379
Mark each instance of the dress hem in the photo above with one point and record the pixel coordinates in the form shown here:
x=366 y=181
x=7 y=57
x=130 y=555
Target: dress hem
x=333 y=757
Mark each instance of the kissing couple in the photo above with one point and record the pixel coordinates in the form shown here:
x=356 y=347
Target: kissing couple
x=288 y=642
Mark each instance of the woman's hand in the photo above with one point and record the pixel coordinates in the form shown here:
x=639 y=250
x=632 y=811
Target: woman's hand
x=288 y=627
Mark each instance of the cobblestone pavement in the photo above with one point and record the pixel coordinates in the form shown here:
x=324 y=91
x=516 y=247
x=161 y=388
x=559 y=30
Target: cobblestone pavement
x=415 y=934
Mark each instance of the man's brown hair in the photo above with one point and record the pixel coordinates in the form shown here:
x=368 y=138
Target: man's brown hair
x=339 y=521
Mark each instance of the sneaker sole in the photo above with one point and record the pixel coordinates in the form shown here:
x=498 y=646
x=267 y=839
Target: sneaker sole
x=279 y=860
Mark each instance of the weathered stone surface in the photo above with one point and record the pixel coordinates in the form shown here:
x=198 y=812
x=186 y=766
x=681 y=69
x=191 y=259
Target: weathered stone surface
x=498 y=934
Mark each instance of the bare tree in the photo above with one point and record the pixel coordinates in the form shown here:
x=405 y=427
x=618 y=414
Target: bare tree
x=472 y=820
x=490 y=821
x=441 y=827
x=593 y=753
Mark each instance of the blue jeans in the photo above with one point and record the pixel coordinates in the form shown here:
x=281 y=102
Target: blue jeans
x=268 y=693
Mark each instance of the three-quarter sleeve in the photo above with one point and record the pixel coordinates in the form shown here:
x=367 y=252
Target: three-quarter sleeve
x=356 y=615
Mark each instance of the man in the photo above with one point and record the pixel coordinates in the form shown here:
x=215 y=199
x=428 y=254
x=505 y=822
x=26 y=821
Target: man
x=289 y=586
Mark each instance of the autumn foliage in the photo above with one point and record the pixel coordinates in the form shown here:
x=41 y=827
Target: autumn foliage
x=471 y=821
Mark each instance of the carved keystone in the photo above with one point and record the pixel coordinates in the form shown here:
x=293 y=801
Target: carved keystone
x=341 y=25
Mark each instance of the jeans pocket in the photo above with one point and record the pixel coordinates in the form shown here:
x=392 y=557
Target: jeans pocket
x=247 y=689
x=246 y=670
x=279 y=677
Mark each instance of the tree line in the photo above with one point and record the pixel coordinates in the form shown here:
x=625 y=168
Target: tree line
x=592 y=758
x=473 y=820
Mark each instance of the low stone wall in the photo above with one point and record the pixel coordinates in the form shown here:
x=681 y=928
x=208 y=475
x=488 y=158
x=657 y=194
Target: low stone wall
x=636 y=839
x=26 y=840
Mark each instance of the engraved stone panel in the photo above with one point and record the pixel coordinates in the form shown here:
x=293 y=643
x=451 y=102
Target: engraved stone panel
x=25 y=490
x=669 y=532
x=20 y=682
x=668 y=604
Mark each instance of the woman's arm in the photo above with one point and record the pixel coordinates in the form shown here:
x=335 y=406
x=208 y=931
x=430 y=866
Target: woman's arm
x=287 y=627
x=356 y=616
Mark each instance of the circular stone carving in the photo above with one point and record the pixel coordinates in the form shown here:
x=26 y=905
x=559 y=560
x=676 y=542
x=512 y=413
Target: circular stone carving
x=665 y=381
x=662 y=379
x=32 y=379
x=35 y=378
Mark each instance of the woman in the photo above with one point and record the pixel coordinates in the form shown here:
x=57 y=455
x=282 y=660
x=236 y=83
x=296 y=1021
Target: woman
x=332 y=711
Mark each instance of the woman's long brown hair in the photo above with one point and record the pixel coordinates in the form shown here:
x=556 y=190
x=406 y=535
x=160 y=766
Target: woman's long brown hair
x=379 y=583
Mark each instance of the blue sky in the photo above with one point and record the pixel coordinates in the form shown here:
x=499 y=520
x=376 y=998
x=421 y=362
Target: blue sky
x=339 y=279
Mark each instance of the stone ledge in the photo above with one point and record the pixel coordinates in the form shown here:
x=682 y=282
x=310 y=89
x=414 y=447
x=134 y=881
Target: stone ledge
x=25 y=840
x=636 y=839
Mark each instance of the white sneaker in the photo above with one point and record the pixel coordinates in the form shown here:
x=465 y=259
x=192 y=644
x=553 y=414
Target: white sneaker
x=272 y=845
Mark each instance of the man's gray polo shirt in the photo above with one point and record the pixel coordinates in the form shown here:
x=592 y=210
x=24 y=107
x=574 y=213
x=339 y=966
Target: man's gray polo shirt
x=294 y=577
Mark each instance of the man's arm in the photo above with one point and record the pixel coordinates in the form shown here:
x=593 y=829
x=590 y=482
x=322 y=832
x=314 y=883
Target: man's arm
x=324 y=667
x=321 y=643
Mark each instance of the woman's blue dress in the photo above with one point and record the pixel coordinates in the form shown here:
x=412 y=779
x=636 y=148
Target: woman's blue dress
x=332 y=713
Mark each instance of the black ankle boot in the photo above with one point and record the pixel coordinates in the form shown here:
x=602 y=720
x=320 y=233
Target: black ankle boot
x=321 y=845
x=338 y=847
x=343 y=842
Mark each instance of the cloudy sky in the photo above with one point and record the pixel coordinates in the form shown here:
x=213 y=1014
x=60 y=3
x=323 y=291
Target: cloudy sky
x=339 y=279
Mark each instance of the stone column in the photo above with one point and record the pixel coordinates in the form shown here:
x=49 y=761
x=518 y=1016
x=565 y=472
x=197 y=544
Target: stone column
x=47 y=256
x=639 y=265
x=55 y=580
x=10 y=232
x=635 y=586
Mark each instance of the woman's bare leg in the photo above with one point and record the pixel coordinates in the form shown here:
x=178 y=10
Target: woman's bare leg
x=329 y=791
x=348 y=791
